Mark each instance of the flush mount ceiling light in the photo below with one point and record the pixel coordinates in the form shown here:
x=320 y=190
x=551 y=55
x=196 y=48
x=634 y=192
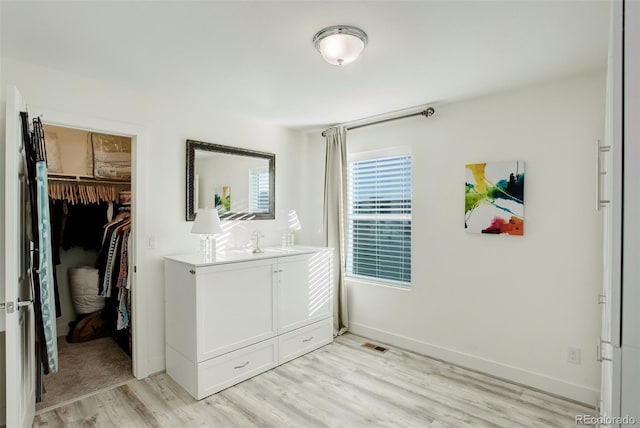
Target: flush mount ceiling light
x=340 y=44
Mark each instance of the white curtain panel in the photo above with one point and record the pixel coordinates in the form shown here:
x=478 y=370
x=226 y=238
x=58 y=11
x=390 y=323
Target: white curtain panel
x=335 y=200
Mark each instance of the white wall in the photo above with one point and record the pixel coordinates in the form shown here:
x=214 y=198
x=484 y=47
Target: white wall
x=169 y=122
x=506 y=305
x=311 y=189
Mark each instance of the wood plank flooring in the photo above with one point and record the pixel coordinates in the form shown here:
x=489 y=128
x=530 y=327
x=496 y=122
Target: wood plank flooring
x=339 y=385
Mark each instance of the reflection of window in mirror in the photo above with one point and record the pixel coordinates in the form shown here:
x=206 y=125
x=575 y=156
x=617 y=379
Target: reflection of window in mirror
x=259 y=190
x=240 y=183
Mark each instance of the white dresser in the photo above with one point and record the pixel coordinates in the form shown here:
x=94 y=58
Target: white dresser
x=242 y=314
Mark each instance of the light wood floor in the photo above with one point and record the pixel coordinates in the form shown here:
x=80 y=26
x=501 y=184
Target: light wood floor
x=339 y=385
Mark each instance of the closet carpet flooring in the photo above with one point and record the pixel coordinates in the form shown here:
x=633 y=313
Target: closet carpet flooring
x=339 y=385
x=84 y=368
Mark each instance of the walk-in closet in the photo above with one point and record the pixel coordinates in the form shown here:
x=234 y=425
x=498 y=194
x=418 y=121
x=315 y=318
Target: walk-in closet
x=89 y=187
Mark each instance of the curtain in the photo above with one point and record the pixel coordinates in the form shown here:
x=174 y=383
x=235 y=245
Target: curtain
x=335 y=194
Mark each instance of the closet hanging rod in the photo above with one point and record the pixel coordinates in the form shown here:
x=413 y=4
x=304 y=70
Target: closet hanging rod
x=86 y=180
x=429 y=111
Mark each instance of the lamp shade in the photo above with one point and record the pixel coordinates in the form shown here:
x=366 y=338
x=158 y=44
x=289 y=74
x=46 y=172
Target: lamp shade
x=207 y=222
x=293 y=222
x=340 y=44
x=288 y=221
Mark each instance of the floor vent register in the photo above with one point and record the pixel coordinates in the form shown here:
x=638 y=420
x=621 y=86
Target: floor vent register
x=374 y=347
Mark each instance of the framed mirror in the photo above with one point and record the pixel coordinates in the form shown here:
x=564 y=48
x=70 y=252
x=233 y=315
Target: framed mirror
x=239 y=183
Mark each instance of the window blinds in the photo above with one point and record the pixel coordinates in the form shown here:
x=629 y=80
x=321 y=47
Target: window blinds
x=259 y=191
x=379 y=219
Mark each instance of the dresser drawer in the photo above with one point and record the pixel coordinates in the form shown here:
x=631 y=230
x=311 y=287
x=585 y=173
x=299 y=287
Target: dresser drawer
x=226 y=370
x=305 y=339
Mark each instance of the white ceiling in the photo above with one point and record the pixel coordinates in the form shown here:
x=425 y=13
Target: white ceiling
x=256 y=57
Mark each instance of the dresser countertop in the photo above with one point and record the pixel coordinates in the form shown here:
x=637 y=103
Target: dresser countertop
x=235 y=256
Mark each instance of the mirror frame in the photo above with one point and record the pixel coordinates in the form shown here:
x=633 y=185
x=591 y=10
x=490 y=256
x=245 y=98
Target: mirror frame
x=193 y=145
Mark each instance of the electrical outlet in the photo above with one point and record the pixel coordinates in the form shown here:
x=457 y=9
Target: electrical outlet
x=574 y=355
x=151 y=242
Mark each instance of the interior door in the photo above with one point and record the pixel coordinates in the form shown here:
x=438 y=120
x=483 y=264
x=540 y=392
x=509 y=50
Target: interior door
x=19 y=316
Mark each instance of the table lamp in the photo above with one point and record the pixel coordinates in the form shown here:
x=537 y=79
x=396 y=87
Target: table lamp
x=207 y=224
x=289 y=224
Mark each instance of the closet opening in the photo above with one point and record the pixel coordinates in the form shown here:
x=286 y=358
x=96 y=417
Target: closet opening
x=90 y=204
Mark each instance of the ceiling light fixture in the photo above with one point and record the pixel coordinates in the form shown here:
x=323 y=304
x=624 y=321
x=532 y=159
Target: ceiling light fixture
x=340 y=44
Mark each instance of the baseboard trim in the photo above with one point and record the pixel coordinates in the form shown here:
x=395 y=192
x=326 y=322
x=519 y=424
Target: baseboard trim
x=156 y=365
x=580 y=393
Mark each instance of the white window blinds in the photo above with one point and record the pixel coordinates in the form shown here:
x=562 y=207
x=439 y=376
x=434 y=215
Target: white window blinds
x=379 y=219
x=259 y=190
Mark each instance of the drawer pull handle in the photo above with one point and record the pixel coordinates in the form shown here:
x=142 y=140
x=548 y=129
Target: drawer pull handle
x=308 y=339
x=241 y=366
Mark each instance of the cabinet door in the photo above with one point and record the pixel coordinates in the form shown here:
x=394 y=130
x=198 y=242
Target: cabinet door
x=304 y=290
x=235 y=306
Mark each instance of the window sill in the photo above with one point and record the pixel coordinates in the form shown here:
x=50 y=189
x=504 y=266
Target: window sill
x=362 y=281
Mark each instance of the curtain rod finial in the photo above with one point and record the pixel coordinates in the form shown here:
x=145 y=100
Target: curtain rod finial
x=428 y=112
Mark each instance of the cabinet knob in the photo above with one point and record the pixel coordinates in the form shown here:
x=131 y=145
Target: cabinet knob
x=192 y=271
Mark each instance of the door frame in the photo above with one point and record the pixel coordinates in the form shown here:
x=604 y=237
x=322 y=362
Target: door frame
x=609 y=343
x=138 y=135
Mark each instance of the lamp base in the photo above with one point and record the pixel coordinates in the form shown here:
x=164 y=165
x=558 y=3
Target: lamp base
x=287 y=239
x=207 y=247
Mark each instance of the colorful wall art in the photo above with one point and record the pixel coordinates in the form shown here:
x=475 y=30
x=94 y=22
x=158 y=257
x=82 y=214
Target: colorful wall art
x=222 y=199
x=494 y=198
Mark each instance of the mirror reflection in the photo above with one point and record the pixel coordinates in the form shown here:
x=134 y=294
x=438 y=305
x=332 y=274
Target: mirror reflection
x=239 y=183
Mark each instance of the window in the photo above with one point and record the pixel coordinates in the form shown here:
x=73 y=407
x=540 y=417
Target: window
x=259 y=190
x=379 y=217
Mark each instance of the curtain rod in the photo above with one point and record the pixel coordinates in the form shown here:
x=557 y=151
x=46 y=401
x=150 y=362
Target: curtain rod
x=426 y=113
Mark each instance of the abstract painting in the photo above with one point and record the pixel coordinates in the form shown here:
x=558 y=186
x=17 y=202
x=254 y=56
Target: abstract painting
x=494 y=198
x=222 y=199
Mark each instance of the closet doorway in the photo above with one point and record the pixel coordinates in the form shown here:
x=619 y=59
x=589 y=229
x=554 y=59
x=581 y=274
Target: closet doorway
x=93 y=186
